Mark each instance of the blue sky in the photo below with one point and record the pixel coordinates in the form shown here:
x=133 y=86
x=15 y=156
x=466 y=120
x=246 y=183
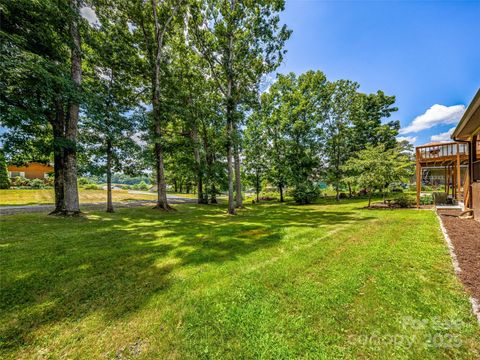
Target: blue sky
x=425 y=53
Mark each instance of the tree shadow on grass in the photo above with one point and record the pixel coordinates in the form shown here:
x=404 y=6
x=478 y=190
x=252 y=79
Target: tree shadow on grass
x=67 y=269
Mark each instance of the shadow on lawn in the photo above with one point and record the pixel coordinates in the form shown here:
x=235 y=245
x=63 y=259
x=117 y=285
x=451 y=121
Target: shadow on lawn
x=114 y=263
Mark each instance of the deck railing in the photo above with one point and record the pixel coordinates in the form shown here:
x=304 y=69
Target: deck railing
x=442 y=151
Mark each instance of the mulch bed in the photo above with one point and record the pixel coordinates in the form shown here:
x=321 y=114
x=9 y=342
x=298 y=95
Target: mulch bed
x=465 y=237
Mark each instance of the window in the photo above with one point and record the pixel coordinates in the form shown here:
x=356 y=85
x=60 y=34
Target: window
x=14 y=174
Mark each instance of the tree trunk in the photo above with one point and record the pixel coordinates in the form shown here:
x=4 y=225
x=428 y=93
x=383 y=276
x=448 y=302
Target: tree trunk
x=230 y=113
x=369 y=198
x=257 y=185
x=280 y=188
x=231 y=208
x=238 y=178
x=109 y=177
x=175 y=187
x=58 y=128
x=349 y=190
x=161 y=184
x=162 y=202
x=230 y=127
x=213 y=195
x=198 y=163
x=72 y=206
x=58 y=184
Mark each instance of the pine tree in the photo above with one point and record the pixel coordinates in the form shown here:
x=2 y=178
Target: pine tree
x=4 y=179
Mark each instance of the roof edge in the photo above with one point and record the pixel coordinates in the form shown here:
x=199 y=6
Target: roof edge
x=472 y=107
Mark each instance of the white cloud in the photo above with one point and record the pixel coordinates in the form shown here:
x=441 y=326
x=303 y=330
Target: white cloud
x=436 y=115
x=89 y=14
x=410 y=139
x=443 y=136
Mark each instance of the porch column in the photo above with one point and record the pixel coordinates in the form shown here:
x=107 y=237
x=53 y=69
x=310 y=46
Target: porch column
x=459 y=179
x=418 y=177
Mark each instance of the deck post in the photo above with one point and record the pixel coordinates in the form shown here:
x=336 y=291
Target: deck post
x=448 y=180
x=418 y=177
x=445 y=180
x=459 y=179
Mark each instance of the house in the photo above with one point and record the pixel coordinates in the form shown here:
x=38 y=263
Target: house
x=458 y=162
x=31 y=170
x=468 y=132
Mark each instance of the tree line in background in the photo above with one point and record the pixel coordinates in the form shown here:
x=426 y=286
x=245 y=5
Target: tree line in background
x=174 y=88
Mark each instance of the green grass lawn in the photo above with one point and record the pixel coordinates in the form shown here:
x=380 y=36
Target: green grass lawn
x=46 y=196
x=276 y=281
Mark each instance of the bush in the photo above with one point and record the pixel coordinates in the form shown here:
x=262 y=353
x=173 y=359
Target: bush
x=362 y=192
x=142 y=185
x=92 y=187
x=439 y=198
x=4 y=179
x=403 y=201
x=84 y=181
x=37 y=184
x=342 y=195
x=267 y=198
x=268 y=195
x=426 y=200
x=20 y=181
x=305 y=193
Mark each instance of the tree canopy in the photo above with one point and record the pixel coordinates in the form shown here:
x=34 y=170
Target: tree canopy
x=179 y=91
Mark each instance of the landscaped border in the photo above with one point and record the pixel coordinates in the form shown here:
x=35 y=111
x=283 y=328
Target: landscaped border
x=456 y=266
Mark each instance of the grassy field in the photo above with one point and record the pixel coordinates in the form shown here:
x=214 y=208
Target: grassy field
x=46 y=196
x=276 y=281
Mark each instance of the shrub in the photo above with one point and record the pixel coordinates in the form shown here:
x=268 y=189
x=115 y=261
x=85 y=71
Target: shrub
x=426 y=200
x=439 y=198
x=92 y=187
x=49 y=181
x=4 y=179
x=36 y=184
x=363 y=192
x=142 y=185
x=20 y=181
x=342 y=195
x=403 y=201
x=269 y=195
x=305 y=193
x=84 y=181
x=267 y=198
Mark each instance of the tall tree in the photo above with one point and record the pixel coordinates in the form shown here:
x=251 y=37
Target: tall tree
x=241 y=41
x=293 y=113
x=367 y=115
x=40 y=83
x=111 y=80
x=256 y=145
x=154 y=23
x=376 y=166
x=338 y=130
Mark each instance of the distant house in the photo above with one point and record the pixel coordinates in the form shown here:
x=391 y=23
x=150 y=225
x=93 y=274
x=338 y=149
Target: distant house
x=468 y=132
x=32 y=170
x=457 y=162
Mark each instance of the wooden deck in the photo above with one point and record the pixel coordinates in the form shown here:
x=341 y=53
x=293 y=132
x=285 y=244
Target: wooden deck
x=451 y=156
